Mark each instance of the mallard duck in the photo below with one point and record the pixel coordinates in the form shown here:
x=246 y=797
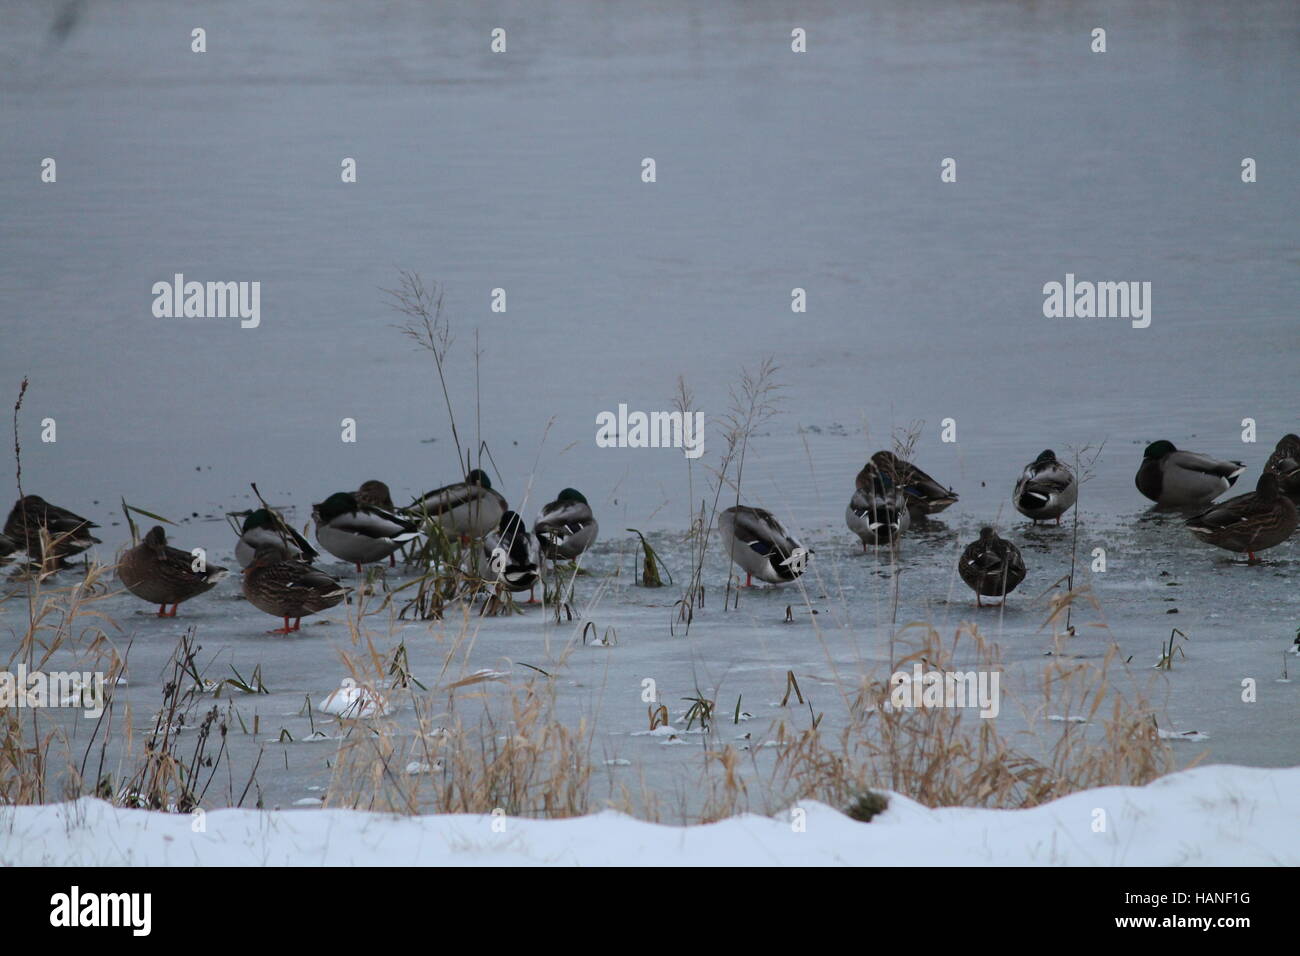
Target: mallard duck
x=288 y=589
x=268 y=528
x=469 y=508
x=1046 y=490
x=991 y=566
x=1285 y=463
x=1248 y=523
x=761 y=546
x=1183 y=479
x=924 y=495
x=161 y=575
x=376 y=494
x=566 y=526
x=513 y=554
x=7 y=545
x=69 y=533
x=362 y=534
x=878 y=513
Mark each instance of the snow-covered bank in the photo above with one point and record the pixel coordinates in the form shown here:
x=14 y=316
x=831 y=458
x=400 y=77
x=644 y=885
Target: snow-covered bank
x=1219 y=815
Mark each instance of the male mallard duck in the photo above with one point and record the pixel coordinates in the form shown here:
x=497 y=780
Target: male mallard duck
x=878 y=512
x=288 y=589
x=1248 y=523
x=1047 y=489
x=513 y=554
x=69 y=533
x=566 y=526
x=469 y=508
x=1285 y=463
x=761 y=546
x=991 y=566
x=923 y=494
x=1183 y=479
x=268 y=528
x=362 y=534
x=376 y=494
x=161 y=575
x=7 y=546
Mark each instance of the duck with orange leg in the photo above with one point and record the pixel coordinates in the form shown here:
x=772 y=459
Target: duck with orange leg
x=1248 y=523
x=289 y=589
x=163 y=575
x=991 y=566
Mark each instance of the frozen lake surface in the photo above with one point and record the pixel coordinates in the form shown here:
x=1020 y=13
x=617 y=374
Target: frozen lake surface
x=775 y=171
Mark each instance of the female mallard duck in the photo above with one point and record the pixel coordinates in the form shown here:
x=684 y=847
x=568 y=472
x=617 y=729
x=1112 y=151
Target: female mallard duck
x=1248 y=523
x=264 y=528
x=161 y=575
x=566 y=526
x=991 y=566
x=376 y=494
x=878 y=512
x=1285 y=463
x=1183 y=479
x=69 y=533
x=513 y=554
x=761 y=546
x=288 y=589
x=469 y=508
x=1046 y=490
x=924 y=495
x=362 y=534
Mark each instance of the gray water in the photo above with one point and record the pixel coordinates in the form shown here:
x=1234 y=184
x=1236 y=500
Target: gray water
x=775 y=170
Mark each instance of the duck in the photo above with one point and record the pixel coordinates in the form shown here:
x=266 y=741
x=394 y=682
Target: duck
x=1248 y=523
x=376 y=494
x=878 y=513
x=287 y=588
x=1047 y=489
x=361 y=534
x=566 y=527
x=923 y=494
x=761 y=545
x=163 y=575
x=1285 y=463
x=7 y=546
x=469 y=508
x=266 y=527
x=69 y=533
x=513 y=554
x=1183 y=479
x=991 y=566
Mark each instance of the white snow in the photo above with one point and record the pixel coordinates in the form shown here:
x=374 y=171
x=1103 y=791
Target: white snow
x=1217 y=815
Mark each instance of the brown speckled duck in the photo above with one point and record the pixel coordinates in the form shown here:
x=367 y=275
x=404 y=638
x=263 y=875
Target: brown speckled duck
x=162 y=575
x=991 y=566
x=924 y=495
x=288 y=589
x=69 y=533
x=1248 y=523
x=1285 y=463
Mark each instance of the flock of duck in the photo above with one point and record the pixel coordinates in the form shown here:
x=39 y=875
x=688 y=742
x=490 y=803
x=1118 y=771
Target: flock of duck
x=363 y=527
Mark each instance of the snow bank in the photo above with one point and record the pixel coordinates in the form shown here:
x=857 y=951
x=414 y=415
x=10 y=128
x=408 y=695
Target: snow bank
x=1217 y=815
